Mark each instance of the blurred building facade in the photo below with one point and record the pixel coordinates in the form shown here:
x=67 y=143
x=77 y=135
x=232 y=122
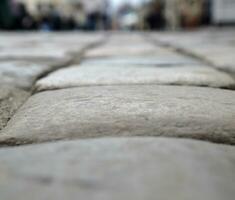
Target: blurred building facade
x=180 y=14
x=223 y=11
x=54 y=14
x=176 y=14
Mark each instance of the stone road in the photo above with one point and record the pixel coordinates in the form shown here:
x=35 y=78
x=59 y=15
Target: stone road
x=117 y=115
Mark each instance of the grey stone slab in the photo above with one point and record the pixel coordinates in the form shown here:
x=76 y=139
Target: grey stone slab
x=37 y=40
x=39 y=52
x=48 y=48
x=219 y=55
x=138 y=110
x=22 y=74
x=166 y=60
x=124 y=49
x=126 y=39
x=10 y=100
x=126 y=75
x=215 y=46
x=124 y=168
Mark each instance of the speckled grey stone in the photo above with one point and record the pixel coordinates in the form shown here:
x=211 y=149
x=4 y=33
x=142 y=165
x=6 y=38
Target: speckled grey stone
x=138 y=110
x=124 y=168
x=121 y=75
x=10 y=100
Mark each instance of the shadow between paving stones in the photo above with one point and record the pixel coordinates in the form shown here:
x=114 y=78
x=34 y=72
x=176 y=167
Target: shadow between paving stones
x=139 y=110
x=118 y=168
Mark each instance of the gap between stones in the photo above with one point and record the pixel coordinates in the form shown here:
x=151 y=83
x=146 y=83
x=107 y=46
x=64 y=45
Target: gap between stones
x=76 y=58
x=189 y=54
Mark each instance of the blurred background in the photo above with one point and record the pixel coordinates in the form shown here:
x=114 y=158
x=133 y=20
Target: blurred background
x=90 y=15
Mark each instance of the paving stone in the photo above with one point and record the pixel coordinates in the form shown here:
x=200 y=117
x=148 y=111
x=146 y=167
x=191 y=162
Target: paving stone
x=22 y=74
x=10 y=100
x=222 y=57
x=125 y=39
x=46 y=47
x=102 y=169
x=156 y=60
x=124 y=49
x=33 y=52
x=138 y=110
x=215 y=46
x=119 y=75
x=65 y=41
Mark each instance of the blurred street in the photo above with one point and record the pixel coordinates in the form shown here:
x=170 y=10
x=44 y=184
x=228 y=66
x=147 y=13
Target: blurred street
x=64 y=15
x=117 y=115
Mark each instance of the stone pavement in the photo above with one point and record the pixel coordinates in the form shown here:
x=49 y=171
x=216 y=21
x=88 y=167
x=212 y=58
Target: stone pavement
x=117 y=115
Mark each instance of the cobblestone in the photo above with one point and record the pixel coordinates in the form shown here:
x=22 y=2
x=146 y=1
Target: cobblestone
x=214 y=46
x=145 y=110
x=117 y=115
x=136 y=168
x=88 y=75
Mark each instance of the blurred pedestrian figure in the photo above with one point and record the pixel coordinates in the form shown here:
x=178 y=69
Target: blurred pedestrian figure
x=207 y=12
x=69 y=23
x=54 y=18
x=191 y=13
x=5 y=14
x=155 y=17
x=172 y=14
x=184 y=13
x=80 y=16
x=44 y=21
x=93 y=20
x=106 y=16
x=22 y=20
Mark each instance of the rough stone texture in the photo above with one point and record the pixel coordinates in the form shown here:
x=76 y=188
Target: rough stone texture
x=104 y=169
x=22 y=74
x=140 y=110
x=116 y=75
x=10 y=100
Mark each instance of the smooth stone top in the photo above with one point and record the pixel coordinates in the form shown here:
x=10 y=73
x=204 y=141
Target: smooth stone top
x=223 y=59
x=125 y=49
x=138 y=110
x=104 y=169
x=44 y=47
x=10 y=100
x=121 y=75
x=157 y=60
x=33 y=52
